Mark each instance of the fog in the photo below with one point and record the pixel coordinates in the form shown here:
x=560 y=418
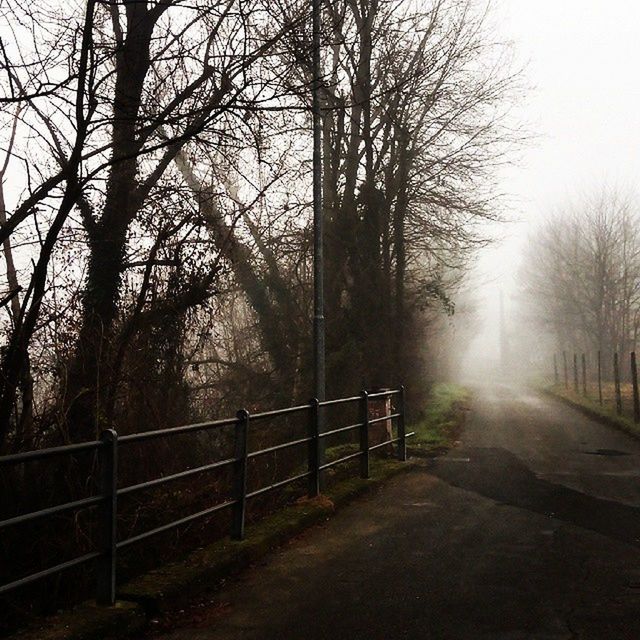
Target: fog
x=245 y=249
x=581 y=107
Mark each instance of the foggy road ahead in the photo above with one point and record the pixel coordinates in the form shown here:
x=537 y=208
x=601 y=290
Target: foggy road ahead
x=529 y=529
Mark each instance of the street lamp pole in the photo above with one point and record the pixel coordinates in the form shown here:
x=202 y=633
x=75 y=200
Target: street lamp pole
x=318 y=233
x=318 y=226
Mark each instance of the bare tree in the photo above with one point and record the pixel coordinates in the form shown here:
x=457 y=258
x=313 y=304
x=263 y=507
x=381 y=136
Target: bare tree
x=148 y=78
x=582 y=274
x=164 y=162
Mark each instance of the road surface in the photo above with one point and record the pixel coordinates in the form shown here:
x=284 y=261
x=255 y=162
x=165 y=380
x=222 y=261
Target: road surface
x=529 y=529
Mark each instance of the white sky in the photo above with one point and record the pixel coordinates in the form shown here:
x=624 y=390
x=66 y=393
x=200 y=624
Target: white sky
x=582 y=60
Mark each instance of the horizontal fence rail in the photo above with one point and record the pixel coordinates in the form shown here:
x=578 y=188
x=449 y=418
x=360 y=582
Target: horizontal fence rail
x=105 y=503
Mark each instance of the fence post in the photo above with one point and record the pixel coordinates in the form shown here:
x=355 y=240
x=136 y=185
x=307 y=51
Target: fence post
x=584 y=374
x=566 y=370
x=313 y=487
x=555 y=370
x=107 y=527
x=600 y=377
x=616 y=382
x=634 y=381
x=576 y=384
x=364 y=434
x=402 y=437
x=240 y=481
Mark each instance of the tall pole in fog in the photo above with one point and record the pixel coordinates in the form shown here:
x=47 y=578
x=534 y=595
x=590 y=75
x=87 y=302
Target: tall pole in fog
x=318 y=241
x=318 y=253
x=504 y=347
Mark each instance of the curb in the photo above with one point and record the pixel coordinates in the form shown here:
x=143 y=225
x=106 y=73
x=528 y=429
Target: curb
x=165 y=588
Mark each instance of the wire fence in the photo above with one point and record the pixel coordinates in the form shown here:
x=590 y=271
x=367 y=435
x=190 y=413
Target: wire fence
x=610 y=380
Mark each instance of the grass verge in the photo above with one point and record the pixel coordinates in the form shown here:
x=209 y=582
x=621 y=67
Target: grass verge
x=593 y=409
x=440 y=424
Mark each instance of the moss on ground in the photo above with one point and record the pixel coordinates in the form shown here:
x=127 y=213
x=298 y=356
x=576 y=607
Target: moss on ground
x=439 y=425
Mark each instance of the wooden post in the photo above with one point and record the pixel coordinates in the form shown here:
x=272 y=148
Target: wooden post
x=600 y=377
x=584 y=374
x=616 y=382
x=634 y=381
x=575 y=373
x=402 y=437
x=566 y=370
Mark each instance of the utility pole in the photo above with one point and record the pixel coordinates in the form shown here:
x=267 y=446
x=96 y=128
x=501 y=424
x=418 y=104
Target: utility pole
x=318 y=226
x=504 y=344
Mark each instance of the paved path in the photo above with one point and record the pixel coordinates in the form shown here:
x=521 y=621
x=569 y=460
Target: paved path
x=529 y=529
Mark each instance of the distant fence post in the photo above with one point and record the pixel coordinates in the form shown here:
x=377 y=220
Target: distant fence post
x=106 y=565
x=576 y=384
x=364 y=434
x=555 y=370
x=314 y=449
x=600 y=377
x=566 y=370
x=616 y=382
x=402 y=437
x=584 y=374
x=634 y=381
x=240 y=480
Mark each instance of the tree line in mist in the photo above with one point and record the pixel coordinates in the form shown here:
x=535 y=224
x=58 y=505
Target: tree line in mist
x=155 y=203
x=582 y=276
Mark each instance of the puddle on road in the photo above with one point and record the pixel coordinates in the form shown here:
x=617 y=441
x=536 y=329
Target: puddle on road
x=421 y=504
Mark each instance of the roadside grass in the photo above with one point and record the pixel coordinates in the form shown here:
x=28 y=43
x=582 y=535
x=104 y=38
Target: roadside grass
x=606 y=412
x=440 y=423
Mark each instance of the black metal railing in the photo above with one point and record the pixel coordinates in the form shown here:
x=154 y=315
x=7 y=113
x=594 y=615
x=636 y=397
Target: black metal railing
x=106 y=501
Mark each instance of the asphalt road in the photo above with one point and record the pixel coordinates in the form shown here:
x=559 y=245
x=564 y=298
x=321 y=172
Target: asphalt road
x=529 y=529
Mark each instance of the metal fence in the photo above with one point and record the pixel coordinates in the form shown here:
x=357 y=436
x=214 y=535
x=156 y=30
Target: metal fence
x=107 y=447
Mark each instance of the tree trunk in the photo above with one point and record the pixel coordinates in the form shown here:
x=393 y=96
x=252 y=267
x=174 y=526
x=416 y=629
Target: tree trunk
x=89 y=373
